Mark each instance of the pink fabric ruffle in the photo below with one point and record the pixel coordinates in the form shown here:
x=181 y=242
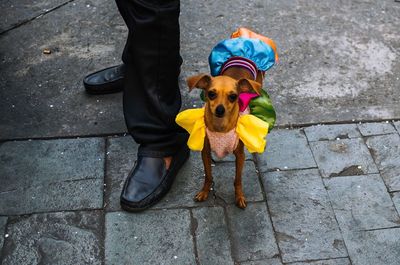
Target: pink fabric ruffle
x=244 y=100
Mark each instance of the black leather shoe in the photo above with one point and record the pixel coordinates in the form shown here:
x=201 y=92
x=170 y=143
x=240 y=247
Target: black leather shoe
x=109 y=80
x=149 y=181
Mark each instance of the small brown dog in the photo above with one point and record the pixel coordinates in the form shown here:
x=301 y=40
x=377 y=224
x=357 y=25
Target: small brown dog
x=221 y=116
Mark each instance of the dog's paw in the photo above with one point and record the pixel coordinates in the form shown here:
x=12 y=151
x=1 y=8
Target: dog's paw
x=241 y=202
x=201 y=196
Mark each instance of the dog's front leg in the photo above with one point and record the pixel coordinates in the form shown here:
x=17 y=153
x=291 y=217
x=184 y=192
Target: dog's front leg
x=206 y=156
x=239 y=196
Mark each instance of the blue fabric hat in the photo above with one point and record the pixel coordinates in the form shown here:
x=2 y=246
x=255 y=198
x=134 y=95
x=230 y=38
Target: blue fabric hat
x=253 y=49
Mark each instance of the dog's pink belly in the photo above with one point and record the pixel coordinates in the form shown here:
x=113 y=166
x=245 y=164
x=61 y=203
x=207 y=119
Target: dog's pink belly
x=222 y=144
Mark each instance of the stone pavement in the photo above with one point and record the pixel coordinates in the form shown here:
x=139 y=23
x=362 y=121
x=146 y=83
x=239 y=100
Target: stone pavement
x=327 y=194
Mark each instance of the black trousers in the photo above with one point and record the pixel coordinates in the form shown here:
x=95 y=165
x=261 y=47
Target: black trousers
x=151 y=97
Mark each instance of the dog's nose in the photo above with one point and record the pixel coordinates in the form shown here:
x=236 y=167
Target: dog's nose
x=219 y=111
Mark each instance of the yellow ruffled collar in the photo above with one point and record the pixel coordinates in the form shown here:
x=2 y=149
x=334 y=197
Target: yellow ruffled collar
x=250 y=129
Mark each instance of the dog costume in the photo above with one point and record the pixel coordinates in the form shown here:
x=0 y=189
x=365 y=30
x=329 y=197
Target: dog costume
x=257 y=116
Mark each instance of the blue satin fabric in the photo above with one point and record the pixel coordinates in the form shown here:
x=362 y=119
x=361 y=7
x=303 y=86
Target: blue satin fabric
x=254 y=49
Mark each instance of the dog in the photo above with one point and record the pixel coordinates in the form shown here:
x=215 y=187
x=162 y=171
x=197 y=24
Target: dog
x=221 y=115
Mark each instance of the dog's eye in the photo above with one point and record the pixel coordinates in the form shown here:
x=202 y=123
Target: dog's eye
x=232 y=97
x=211 y=95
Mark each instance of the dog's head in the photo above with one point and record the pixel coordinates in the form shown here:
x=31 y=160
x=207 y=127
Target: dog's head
x=222 y=93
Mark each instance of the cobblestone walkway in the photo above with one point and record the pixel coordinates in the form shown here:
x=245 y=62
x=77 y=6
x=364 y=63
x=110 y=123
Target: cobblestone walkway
x=326 y=194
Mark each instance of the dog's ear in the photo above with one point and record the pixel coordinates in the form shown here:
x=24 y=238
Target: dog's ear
x=246 y=85
x=202 y=81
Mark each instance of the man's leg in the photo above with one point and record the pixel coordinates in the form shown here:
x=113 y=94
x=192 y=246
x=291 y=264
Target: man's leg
x=152 y=98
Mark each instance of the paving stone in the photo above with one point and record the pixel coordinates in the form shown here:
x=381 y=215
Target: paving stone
x=385 y=150
x=30 y=163
x=121 y=156
x=286 y=149
x=340 y=261
x=331 y=132
x=302 y=216
x=396 y=200
x=190 y=180
x=344 y=157
x=211 y=231
x=58 y=196
x=224 y=177
x=169 y=240
x=54 y=238
x=50 y=175
x=3 y=222
x=251 y=232
x=274 y=261
x=374 y=247
x=397 y=125
x=17 y=12
x=361 y=203
x=368 y=129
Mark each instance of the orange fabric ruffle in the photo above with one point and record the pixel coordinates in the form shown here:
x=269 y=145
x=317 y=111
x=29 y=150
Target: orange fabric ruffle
x=246 y=33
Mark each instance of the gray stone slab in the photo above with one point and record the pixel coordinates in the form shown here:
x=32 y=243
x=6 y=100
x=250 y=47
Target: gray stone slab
x=3 y=222
x=51 y=175
x=331 y=132
x=224 y=177
x=48 y=98
x=374 y=247
x=323 y=74
x=55 y=238
x=385 y=150
x=368 y=129
x=286 y=149
x=397 y=125
x=275 y=261
x=211 y=232
x=361 y=203
x=190 y=180
x=121 y=156
x=303 y=219
x=396 y=200
x=31 y=163
x=153 y=237
x=17 y=12
x=340 y=261
x=344 y=157
x=58 y=196
x=251 y=232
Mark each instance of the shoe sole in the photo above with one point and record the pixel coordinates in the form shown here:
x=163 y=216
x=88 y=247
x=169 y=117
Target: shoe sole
x=109 y=88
